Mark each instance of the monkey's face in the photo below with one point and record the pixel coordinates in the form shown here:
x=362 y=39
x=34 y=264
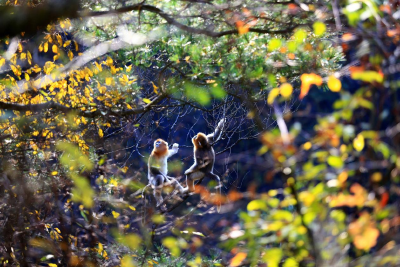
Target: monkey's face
x=160 y=146
x=200 y=140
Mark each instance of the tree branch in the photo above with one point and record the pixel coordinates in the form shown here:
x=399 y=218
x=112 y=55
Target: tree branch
x=181 y=26
x=88 y=114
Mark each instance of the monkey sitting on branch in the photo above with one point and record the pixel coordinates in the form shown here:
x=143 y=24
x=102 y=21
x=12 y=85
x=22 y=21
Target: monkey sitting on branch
x=158 y=169
x=204 y=158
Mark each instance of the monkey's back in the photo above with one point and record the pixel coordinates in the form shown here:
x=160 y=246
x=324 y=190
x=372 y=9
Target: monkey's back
x=206 y=153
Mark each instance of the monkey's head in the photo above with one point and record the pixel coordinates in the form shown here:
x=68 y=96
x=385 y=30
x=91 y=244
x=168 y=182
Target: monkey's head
x=160 y=147
x=200 y=140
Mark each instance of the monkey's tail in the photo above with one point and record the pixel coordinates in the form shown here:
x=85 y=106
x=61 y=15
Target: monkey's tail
x=219 y=196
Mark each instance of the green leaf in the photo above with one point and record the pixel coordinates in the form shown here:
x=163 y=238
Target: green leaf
x=273 y=256
x=290 y=262
x=257 y=204
x=172 y=244
x=300 y=35
x=283 y=215
x=217 y=91
x=274 y=44
x=368 y=76
x=146 y=100
x=132 y=241
x=292 y=46
x=197 y=94
x=319 y=28
x=82 y=192
x=335 y=162
x=73 y=157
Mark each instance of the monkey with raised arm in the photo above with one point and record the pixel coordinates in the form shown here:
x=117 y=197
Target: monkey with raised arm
x=204 y=158
x=158 y=169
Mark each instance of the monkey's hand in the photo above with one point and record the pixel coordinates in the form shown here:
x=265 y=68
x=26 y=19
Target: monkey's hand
x=173 y=150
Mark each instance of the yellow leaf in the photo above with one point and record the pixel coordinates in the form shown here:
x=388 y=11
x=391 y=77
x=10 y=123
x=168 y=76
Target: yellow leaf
x=358 y=142
x=146 y=100
x=115 y=214
x=334 y=84
x=286 y=89
x=109 y=80
x=40 y=48
x=131 y=207
x=319 y=28
x=368 y=76
x=238 y=259
x=67 y=43
x=23 y=56
x=102 y=89
x=52 y=265
x=155 y=88
x=100 y=248
x=70 y=55
x=29 y=58
x=376 y=177
x=16 y=70
x=36 y=68
x=2 y=61
x=129 y=68
x=109 y=61
x=27 y=77
x=124 y=169
x=76 y=46
x=59 y=39
x=126 y=261
x=272 y=95
x=342 y=177
x=46 y=47
x=54 y=173
x=307 y=198
x=308 y=79
x=307 y=146
x=101 y=134
x=55 y=49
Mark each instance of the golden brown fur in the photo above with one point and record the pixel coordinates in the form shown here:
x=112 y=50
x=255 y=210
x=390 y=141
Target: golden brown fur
x=161 y=150
x=204 y=158
x=158 y=169
x=200 y=141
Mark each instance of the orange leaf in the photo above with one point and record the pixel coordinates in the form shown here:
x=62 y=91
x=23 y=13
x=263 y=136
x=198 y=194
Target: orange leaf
x=348 y=37
x=354 y=69
x=385 y=8
x=384 y=199
x=367 y=240
x=241 y=27
x=238 y=259
x=393 y=32
x=306 y=81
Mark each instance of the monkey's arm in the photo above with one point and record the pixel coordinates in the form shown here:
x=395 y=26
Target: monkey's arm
x=216 y=135
x=195 y=167
x=198 y=165
x=173 y=150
